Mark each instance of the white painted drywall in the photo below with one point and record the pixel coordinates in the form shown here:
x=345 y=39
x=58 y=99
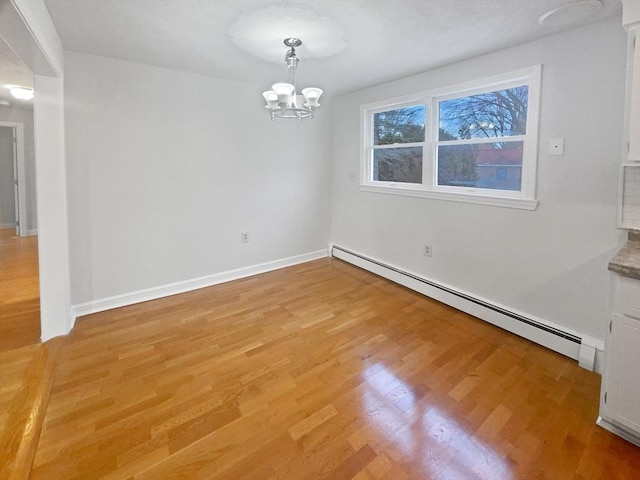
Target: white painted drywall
x=27 y=28
x=24 y=115
x=550 y=263
x=167 y=168
x=51 y=184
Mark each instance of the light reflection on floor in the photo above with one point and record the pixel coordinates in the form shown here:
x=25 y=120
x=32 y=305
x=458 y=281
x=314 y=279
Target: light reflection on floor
x=424 y=434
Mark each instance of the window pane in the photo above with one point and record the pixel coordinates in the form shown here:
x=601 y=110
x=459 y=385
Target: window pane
x=398 y=165
x=494 y=114
x=495 y=166
x=403 y=125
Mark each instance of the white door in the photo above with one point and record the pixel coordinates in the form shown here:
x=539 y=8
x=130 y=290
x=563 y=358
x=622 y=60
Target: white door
x=8 y=179
x=16 y=197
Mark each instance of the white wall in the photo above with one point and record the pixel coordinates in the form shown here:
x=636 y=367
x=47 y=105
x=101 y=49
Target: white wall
x=26 y=26
x=166 y=168
x=24 y=115
x=53 y=238
x=550 y=263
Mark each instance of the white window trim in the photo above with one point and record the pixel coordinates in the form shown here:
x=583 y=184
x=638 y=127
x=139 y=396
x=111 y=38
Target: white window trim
x=523 y=199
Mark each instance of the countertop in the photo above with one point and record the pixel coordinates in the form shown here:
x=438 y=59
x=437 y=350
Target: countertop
x=627 y=261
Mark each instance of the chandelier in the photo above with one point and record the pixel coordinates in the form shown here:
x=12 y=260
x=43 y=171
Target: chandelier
x=282 y=100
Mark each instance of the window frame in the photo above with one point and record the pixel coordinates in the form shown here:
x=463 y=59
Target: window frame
x=522 y=199
x=402 y=104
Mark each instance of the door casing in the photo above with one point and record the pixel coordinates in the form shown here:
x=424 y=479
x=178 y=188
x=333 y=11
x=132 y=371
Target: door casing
x=22 y=220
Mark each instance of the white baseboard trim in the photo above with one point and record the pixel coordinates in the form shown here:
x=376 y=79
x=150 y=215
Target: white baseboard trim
x=621 y=432
x=542 y=332
x=598 y=367
x=145 y=295
x=591 y=354
x=13 y=225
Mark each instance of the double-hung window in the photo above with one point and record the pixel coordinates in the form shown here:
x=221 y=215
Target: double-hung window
x=475 y=142
x=398 y=143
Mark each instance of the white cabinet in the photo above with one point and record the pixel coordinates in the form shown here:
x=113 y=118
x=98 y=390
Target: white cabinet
x=622 y=393
x=631 y=22
x=627 y=296
x=629 y=208
x=620 y=399
x=633 y=92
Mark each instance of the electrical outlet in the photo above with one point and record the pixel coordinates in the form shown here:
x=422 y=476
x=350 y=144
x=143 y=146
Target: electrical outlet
x=244 y=236
x=427 y=250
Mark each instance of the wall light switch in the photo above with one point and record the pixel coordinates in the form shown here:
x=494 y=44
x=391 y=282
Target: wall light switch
x=352 y=176
x=556 y=146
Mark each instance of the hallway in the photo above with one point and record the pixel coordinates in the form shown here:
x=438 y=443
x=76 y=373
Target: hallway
x=19 y=291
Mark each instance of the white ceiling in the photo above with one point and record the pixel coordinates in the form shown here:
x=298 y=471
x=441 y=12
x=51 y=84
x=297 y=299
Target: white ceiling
x=348 y=44
x=13 y=71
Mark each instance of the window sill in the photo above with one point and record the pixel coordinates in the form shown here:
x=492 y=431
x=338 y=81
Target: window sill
x=507 y=202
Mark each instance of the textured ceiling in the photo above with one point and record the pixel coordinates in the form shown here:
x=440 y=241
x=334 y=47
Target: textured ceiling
x=348 y=44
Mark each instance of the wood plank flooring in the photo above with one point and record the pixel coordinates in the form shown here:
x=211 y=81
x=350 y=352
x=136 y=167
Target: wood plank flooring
x=23 y=414
x=318 y=371
x=13 y=368
x=26 y=365
x=19 y=291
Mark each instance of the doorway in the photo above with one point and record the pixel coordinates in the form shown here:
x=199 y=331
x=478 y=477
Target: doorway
x=13 y=211
x=19 y=269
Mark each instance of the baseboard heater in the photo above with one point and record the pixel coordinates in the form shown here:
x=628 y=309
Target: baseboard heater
x=552 y=337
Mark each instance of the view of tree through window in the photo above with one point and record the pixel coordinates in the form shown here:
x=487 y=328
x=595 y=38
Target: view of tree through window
x=475 y=142
x=476 y=163
x=399 y=127
x=502 y=113
x=402 y=125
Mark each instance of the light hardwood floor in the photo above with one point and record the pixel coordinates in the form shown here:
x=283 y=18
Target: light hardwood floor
x=19 y=291
x=26 y=365
x=318 y=371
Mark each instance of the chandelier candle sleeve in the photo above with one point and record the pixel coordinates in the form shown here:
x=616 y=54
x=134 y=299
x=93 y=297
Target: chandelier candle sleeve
x=282 y=100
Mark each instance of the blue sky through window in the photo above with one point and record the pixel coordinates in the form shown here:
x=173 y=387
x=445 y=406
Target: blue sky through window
x=401 y=125
x=500 y=113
